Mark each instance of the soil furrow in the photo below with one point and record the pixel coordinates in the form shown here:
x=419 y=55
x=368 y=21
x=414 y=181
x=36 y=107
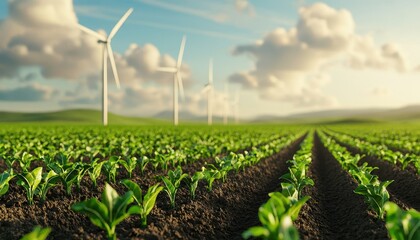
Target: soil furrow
x=406 y=185
x=334 y=210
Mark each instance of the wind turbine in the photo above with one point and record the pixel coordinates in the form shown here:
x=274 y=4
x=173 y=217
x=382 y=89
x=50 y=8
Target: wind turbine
x=208 y=88
x=107 y=53
x=235 y=105
x=226 y=105
x=177 y=78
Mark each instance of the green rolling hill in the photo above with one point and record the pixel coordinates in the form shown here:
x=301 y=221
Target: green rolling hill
x=80 y=116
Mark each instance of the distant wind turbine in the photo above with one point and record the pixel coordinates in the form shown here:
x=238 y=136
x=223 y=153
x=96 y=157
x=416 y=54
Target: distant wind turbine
x=208 y=88
x=177 y=78
x=107 y=54
x=235 y=105
x=226 y=105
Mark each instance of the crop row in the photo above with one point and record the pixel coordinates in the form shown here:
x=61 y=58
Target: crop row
x=278 y=213
x=406 y=226
x=68 y=171
x=69 y=166
x=381 y=151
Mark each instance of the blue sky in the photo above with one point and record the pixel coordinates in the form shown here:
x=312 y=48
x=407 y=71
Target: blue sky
x=218 y=28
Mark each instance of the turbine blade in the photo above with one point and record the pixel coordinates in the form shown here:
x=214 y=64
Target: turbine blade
x=91 y=32
x=181 y=52
x=181 y=85
x=167 y=69
x=113 y=65
x=211 y=71
x=120 y=23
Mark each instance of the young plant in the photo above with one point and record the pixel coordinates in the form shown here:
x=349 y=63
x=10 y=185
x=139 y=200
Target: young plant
x=111 y=167
x=129 y=164
x=145 y=203
x=49 y=180
x=4 y=181
x=68 y=178
x=276 y=217
x=30 y=182
x=298 y=179
x=37 y=234
x=142 y=162
x=402 y=225
x=211 y=173
x=95 y=171
x=108 y=213
x=172 y=183
x=375 y=195
x=25 y=161
x=192 y=183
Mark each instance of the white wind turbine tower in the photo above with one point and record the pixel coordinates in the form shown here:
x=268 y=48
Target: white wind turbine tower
x=107 y=54
x=235 y=105
x=226 y=105
x=208 y=88
x=177 y=78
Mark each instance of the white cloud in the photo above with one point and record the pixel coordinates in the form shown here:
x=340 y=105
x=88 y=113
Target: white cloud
x=42 y=33
x=290 y=63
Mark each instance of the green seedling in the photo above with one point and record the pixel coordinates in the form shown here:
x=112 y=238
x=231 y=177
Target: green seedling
x=4 y=181
x=37 y=234
x=108 y=213
x=172 y=183
x=402 y=225
x=145 y=203
x=375 y=195
x=30 y=181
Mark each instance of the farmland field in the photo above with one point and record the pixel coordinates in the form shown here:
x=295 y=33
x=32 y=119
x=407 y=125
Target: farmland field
x=265 y=181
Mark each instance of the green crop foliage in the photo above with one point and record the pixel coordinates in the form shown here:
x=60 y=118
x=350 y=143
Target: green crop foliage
x=111 y=166
x=129 y=164
x=49 y=180
x=276 y=216
x=402 y=225
x=211 y=173
x=143 y=162
x=296 y=181
x=193 y=183
x=375 y=195
x=95 y=171
x=30 y=182
x=145 y=203
x=108 y=213
x=4 y=181
x=37 y=234
x=172 y=183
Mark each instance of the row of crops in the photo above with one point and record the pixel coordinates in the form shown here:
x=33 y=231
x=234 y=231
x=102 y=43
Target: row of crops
x=149 y=182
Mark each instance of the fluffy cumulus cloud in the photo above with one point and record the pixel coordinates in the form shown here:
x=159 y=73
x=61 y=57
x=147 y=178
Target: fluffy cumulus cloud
x=42 y=36
x=138 y=64
x=290 y=63
x=42 y=33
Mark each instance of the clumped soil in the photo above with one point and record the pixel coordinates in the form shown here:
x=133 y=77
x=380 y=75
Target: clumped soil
x=223 y=213
x=334 y=210
x=406 y=185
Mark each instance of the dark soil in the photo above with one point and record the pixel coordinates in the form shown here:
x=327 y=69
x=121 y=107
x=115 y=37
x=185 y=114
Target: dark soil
x=406 y=185
x=224 y=213
x=334 y=210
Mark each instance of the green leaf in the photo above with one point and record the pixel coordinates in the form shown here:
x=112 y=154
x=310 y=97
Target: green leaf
x=37 y=234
